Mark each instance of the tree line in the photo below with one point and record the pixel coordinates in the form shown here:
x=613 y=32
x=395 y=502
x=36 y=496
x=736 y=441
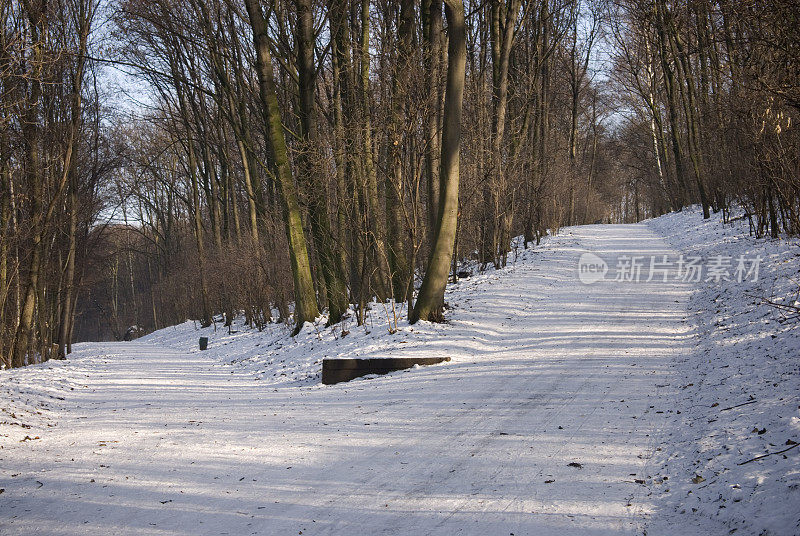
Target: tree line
x=285 y=159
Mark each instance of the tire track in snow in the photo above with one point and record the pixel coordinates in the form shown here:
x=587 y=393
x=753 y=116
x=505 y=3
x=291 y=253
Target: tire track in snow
x=541 y=367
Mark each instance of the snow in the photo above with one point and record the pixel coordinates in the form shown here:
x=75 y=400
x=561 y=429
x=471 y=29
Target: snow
x=746 y=354
x=566 y=409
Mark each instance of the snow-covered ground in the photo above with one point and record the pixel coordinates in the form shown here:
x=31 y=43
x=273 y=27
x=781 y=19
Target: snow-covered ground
x=567 y=409
x=737 y=395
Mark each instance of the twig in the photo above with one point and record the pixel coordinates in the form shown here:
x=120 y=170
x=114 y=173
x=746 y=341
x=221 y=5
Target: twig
x=392 y=330
x=740 y=405
x=793 y=310
x=769 y=454
x=782 y=306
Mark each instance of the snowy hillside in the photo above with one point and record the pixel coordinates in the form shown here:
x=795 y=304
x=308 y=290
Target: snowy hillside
x=283 y=361
x=738 y=393
x=622 y=406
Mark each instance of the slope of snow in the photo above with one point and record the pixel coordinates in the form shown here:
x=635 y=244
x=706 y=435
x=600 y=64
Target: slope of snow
x=738 y=394
x=567 y=409
x=281 y=361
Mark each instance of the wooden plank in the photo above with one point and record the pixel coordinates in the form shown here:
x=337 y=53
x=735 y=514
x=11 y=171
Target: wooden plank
x=342 y=370
x=342 y=364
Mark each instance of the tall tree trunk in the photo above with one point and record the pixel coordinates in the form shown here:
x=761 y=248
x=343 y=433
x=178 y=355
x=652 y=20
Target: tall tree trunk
x=345 y=143
x=197 y=218
x=85 y=15
x=252 y=182
x=65 y=323
x=31 y=132
x=194 y=202
x=430 y=301
x=432 y=27
x=332 y=270
x=687 y=91
x=672 y=102
x=5 y=247
x=542 y=146
x=504 y=17
x=375 y=234
x=305 y=307
x=397 y=239
x=656 y=128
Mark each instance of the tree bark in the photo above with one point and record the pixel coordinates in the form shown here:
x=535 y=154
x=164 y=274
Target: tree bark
x=430 y=301
x=672 y=102
x=332 y=270
x=375 y=235
x=503 y=26
x=687 y=91
x=65 y=324
x=432 y=27
x=31 y=132
x=305 y=307
x=397 y=241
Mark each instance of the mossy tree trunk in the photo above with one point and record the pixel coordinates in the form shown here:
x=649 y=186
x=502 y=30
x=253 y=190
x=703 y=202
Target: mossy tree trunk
x=311 y=168
x=305 y=307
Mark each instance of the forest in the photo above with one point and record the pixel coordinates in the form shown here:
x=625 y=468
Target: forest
x=281 y=160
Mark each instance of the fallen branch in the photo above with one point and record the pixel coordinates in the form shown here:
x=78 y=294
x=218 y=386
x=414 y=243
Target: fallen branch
x=740 y=405
x=783 y=307
x=769 y=454
x=793 y=310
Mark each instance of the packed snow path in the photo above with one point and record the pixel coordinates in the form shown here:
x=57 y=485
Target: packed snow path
x=543 y=423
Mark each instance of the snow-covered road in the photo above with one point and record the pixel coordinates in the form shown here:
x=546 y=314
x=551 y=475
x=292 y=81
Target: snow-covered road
x=545 y=422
